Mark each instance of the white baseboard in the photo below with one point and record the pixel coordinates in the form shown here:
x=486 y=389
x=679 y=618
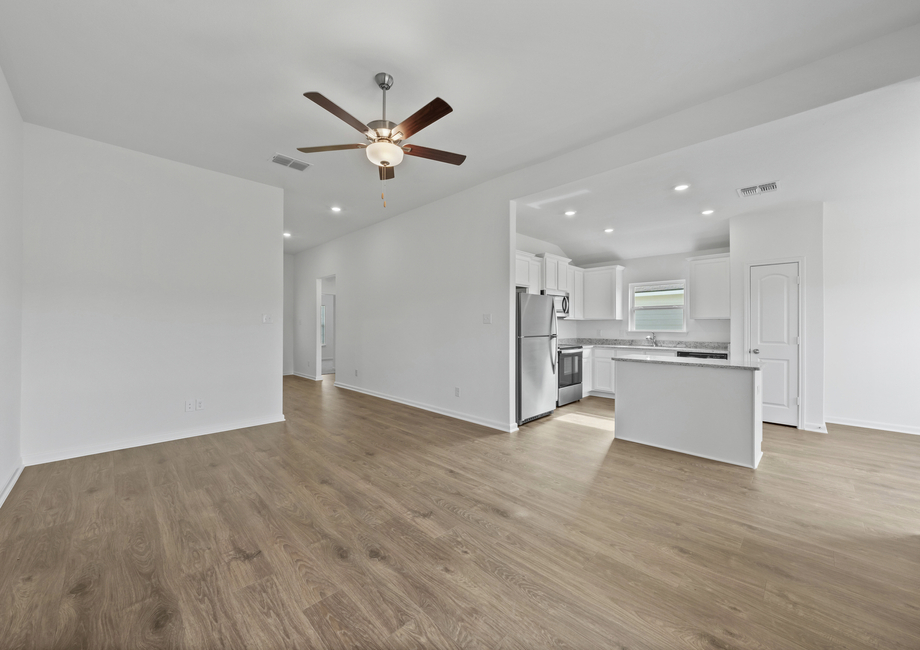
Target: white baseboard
x=811 y=426
x=127 y=443
x=10 y=483
x=597 y=393
x=884 y=426
x=311 y=377
x=492 y=424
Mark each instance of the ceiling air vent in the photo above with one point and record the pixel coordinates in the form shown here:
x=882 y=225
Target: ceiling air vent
x=758 y=189
x=293 y=163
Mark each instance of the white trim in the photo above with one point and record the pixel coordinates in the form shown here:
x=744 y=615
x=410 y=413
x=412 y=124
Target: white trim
x=800 y=285
x=708 y=257
x=882 y=426
x=818 y=428
x=310 y=377
x=492 y=424
x=11 y=483
x=140 y=441
x=599 y=393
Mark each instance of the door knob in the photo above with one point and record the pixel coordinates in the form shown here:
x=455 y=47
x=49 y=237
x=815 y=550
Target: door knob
x=755 y=351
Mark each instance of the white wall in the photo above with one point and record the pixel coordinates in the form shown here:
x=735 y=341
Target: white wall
x=652 y=269
x=409 y=312
x=781 y=235
x=872 y=298
x=145 y=282
x=288 y=353
x=11 y=145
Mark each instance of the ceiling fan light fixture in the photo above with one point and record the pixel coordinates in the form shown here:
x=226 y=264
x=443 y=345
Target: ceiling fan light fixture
x=384 y=154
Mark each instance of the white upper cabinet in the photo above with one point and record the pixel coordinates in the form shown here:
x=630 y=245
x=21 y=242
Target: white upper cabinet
x=710 y=287
x=555 y=272
x=528 y=269
x=603 y=293
x=522 y=268
x=576 y=293
x=536 y=273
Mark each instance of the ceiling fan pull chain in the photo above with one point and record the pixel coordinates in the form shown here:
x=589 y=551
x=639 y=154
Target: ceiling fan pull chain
x=383 y=191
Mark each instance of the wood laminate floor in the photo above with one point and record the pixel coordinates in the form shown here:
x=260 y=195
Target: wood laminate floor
x=361 y=523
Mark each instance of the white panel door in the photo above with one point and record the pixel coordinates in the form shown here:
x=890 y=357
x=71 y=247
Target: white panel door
x=774 y=338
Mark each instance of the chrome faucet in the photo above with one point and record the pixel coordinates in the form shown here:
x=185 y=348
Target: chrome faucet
x=652 y=339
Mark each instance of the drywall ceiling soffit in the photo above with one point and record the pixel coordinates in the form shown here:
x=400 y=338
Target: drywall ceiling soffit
x=855 y=147
x=218 y=84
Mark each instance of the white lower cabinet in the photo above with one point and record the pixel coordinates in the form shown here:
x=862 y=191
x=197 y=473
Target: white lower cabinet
x=604 y=372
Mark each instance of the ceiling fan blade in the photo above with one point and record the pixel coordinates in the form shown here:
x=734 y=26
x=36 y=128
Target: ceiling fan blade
x=428 y=114
x=340 y=113
x=331 y=147
x=434 y=154
x=387 y=173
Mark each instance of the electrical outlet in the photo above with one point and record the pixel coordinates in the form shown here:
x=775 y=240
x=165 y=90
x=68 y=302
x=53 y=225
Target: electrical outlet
x=487 y=319
x=266 y=319
x=457 y=391
x=199 y=404
x=189 y=405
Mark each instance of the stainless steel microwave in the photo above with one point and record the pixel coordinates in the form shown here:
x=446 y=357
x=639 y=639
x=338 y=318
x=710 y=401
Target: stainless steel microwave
x=560 y=301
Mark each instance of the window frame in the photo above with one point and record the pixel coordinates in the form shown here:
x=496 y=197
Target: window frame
x=633 y=286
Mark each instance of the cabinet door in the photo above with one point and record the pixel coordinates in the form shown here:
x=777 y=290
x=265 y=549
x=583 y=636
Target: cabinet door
x=603 y=375
x=710 y=289
x=522 y=271
x=562 y=276
x=599 y=295
x=536 y=270
x=577 y=294
x=550 y=274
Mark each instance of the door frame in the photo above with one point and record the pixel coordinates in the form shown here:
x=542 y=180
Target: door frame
x=800 y=418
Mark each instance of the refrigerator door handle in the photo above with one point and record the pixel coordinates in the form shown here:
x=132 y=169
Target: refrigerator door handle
x=552 y=337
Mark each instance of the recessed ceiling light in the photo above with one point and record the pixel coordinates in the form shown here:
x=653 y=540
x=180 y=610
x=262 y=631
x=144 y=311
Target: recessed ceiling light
x=287 y=234
x=708 y=212
x=570 y=213
x=336 y=209
x=609 y=230
x=681 y=188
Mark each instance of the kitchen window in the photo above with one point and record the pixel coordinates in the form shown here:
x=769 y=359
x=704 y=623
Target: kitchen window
x=658 y=306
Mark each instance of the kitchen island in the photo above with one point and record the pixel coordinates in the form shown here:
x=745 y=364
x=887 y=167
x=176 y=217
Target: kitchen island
x=702 y=407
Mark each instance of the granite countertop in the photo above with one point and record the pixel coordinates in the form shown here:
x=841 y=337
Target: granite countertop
x=703 y=363
x=637 y=344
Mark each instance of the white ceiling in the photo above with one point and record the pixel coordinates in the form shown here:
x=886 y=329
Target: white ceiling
x=219 y=83
x=864 y=144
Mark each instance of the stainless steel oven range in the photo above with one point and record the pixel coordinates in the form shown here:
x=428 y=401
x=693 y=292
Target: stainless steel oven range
x=570 y=358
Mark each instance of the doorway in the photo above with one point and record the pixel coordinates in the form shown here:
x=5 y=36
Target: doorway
x=327 y=326
x=775 y=338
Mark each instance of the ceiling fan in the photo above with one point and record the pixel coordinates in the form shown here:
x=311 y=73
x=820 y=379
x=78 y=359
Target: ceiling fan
x=384 y=146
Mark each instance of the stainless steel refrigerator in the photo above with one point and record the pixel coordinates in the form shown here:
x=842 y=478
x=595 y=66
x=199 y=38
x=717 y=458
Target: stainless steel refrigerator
x=537 y=383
